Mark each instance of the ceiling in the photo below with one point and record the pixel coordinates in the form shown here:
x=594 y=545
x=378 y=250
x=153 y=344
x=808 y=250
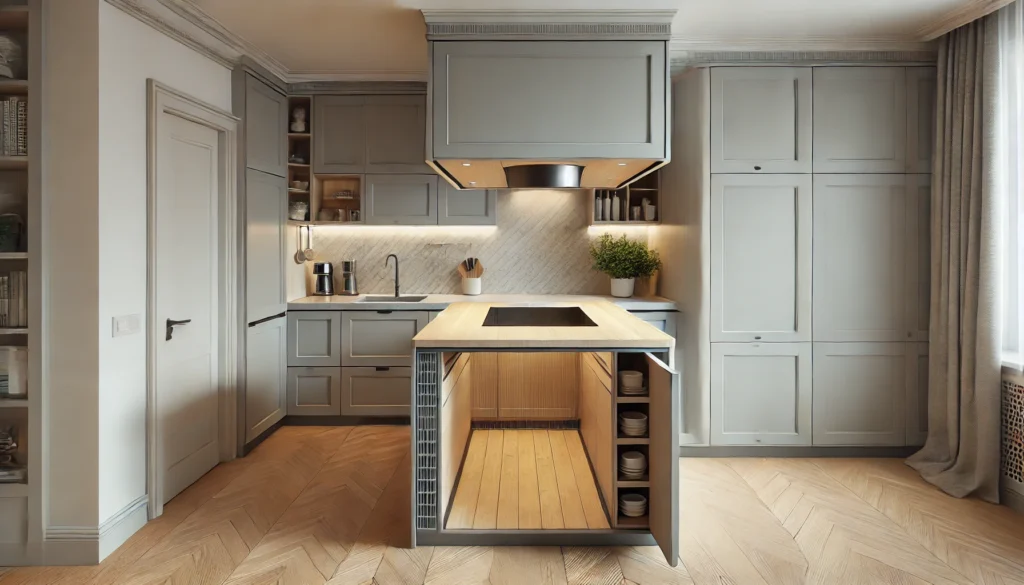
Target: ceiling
x=384 y=39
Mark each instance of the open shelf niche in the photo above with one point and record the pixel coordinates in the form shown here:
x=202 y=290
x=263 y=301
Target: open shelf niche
x=643 y=191
x=623 y=443
x=337 y=199
x=300 y=156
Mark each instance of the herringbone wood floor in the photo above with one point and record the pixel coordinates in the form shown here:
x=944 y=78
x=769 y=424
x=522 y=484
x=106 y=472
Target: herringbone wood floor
x=331 y=505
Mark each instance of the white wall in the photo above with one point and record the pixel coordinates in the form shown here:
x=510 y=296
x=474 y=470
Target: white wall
x=130 y=53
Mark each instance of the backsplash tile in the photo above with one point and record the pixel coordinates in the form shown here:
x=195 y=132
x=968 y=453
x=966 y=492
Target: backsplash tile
x=540 y=246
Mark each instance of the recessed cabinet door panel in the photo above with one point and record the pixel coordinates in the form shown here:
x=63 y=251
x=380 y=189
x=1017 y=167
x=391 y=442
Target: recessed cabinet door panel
x=266 y=203
x=314 y=391
x=266 y=125
x=485 y=386
x=663 y=465
x=396 y=137
x=401 y=200
x=466 y=207
x=921 y=89
x=917 y=393
x=265 y=372
x=339 y=134
x=860 y=393
x=860 y=120
x=761 y=120
x=381 y=391
x=314 y=338
x=860 y=246
x=371 y=338
x=761 y=258
x=761 y=394
x=919 y=248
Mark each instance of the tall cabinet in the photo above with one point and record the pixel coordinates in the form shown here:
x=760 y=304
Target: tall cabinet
x=811 y=201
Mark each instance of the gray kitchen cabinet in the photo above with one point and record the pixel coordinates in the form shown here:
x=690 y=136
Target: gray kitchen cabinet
x=314 y=391
x=860 y=393
x=266 y=208
x=663 y=320
x=400 y=200
x=396 y=134
x=921 y=92
x=917 y=393
x=314 y=338
x=761 y=393
x=761 y=120
x=919 y=264
x=266 y=128
x=339 y=134
x=379 y=391
x=761 y=258
x=860 y=251
x=466 y=207
x=265 y=376
x=860 y=120
x=379 y=338
x=512 y=100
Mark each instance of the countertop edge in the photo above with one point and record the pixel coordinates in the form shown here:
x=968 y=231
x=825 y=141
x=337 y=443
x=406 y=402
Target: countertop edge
x=314 y=303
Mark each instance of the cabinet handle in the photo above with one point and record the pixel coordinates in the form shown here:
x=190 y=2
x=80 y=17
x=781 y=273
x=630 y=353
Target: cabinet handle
x=757 y=168
x=382 y=368
x=757 y=337
x=384 y=312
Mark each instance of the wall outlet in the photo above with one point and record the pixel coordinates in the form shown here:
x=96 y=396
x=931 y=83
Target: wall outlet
x=126 y=325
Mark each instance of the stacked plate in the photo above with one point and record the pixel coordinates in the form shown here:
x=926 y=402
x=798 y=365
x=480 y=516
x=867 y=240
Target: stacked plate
x=632 y=505
x=631 y=383
x=633 y=424
x=632 y=465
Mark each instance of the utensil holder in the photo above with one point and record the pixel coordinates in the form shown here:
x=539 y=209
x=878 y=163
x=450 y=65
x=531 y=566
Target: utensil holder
x=471 y=286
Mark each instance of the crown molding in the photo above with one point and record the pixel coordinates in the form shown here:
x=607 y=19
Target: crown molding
x=958 y=17
x=680 y=44
x=328 y=76
x=360 y=86
x=548 y=24
x=683 y=60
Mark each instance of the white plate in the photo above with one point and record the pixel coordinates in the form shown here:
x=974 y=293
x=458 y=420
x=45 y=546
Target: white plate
x=632 y=415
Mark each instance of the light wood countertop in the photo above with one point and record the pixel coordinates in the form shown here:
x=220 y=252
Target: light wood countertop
x=461 y=327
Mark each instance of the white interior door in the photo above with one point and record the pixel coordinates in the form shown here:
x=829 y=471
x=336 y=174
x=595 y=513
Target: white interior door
x=188 y=185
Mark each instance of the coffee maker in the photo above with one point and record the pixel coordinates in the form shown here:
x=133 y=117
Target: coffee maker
x=348 y=278
x=323 y=278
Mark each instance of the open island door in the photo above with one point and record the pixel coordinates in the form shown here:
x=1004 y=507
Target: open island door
x=664 y=460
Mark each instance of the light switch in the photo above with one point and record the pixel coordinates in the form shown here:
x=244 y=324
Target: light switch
x=126 y=325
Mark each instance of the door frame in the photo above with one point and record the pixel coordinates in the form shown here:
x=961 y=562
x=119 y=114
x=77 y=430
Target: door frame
x=162 y=99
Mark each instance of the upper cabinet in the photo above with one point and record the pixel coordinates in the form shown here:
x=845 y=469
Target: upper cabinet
x=760 y=120
x=467 y=207
x=370 y=134
x=401 y=200
x=266 y=199
x=537 y=100
x=860 y=120
x=339 y=138
x=266 y=124
x=921 y=90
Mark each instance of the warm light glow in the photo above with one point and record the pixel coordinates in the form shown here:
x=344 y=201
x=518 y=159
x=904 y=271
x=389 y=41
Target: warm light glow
x=622 y=164
x=629 y=230
x=384 y=230
x=466 y=164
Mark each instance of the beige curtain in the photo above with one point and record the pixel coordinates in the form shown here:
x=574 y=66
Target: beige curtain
x=962 y=453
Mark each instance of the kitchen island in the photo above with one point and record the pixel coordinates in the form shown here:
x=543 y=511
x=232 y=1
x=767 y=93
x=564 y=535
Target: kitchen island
x=566 y=490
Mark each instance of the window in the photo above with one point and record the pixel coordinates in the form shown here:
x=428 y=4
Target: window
x=1010 y=178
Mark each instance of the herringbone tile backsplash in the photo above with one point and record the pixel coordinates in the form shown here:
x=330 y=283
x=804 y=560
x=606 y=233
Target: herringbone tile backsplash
x=540 y=246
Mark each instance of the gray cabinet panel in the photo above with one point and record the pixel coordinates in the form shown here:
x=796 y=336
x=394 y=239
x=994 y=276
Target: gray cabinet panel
x=860 y=392
x=266 y=128
x=917 y=393
x=396 y=134
x=919 y=248
x=266 y=206
x=381 y=391
x=549 y=99
x=921 y=92
x=761 y=393
x=339 y=134
x=314 y=338
x=265 y=371
x=371 y=338
x=466 y=207
x=663 y=463
x=400 y=200
x=314 y=391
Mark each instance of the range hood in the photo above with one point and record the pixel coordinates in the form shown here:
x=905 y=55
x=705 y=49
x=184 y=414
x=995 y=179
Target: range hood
x=547 y=99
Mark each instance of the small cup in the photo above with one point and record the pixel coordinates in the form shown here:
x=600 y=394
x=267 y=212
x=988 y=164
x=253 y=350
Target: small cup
x=634 y=213
x=650 y=212
x=471 y=286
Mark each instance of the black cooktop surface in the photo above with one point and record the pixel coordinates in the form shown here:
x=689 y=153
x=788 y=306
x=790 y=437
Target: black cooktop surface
x=537 y=317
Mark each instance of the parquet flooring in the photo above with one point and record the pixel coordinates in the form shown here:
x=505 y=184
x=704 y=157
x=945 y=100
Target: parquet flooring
x=331 y=505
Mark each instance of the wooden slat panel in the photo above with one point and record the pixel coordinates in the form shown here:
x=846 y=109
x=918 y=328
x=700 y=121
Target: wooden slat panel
x=550 y=506
x=568 y=491
x=464 y=506
x=487 y=505
x=589 y=496
x=529 y=491
x=485 y=386
x=508 y=493
x=538 y=386
x=456 y=421
x=596 y=415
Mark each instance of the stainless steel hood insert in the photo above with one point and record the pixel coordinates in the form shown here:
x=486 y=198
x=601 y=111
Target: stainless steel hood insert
x=544 y=176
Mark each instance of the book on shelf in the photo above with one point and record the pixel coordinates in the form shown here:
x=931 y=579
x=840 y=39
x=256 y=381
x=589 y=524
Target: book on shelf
x=13 y=373
x=14 y=127
x=14 y=299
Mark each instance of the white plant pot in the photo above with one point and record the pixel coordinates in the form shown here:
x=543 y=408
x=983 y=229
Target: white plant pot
x=470 y=286
x=623 y=287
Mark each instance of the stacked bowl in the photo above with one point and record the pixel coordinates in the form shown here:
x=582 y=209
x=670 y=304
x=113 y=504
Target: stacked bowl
x=631 y=383
x=632 y=505
x=632 y=465
x=632 y=423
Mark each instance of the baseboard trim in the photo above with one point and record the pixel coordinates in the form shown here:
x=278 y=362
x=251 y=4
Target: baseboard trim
x=345 y=421
x=1012 y=499
x=87 y=545
x=797 y=451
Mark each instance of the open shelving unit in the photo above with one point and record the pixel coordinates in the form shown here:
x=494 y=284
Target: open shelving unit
x=300 y=148
x=633 y=195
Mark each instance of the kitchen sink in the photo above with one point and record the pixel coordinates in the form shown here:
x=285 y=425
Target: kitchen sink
x=392 y=299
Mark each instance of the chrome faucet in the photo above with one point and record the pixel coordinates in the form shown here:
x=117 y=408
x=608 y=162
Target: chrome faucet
x=388 y=259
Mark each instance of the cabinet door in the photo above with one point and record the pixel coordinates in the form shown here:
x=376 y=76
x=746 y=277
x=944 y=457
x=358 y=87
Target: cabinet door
x=266 y=207
x=339 y=134
x=314 y=391
x=860 y=246
x=663 y=465
x=761 y=120
x=860 y=393
x=314 y=338
x=922 y=85
x=380 y=391
x=467 y=207
x=860 y=120
x=760 y=393
x=265 y=371
x=917 y=393
x=597 y=416
x=761 y=258
x=266 y=128
x=546 y=99
x=400 y=200
x=396 y=137
x=538 y=386
x=919 y=248
x=379 y=338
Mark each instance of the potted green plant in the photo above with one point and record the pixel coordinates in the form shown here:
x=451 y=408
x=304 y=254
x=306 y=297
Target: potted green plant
x=624 y=260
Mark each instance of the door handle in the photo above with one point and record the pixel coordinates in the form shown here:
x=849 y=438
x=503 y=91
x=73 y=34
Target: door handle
x=170 y=326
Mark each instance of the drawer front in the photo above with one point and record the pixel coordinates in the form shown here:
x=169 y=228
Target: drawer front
x=382 y=391
x=371 y=338
x=314 y=391
x=314 y=338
